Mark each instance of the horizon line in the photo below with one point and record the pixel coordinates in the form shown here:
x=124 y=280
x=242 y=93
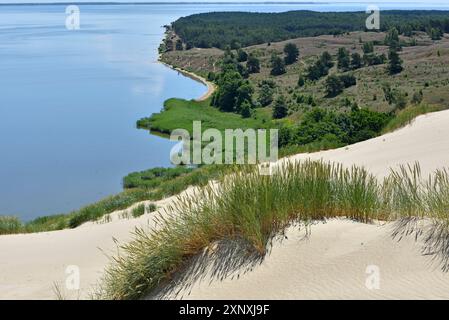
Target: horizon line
x=160 y=2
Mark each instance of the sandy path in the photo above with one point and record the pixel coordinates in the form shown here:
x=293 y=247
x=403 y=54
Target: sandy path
x=330 y=264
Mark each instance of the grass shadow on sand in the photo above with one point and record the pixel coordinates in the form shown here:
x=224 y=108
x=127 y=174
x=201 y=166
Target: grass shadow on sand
x=432 y=235
x=226 y=259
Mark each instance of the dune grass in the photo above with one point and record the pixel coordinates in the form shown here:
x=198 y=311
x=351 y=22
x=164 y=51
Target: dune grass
x=255 y=208
x=138 y=211
x=9 y=225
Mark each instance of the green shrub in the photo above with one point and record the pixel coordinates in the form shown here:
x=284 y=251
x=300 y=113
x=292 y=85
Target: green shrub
x=138 y=211
x=10 y=225
x=151 y=207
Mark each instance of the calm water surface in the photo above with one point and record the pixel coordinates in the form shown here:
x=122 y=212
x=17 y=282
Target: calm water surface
x=69 y=100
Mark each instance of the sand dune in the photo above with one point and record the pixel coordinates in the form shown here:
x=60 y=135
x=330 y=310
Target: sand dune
x=339 y=259
x=330 y=263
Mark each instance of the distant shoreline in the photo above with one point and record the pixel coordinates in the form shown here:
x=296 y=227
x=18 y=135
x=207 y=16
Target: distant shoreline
x=156 y=3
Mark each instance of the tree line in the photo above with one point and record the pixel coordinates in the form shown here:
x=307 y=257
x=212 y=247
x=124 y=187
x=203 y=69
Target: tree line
x=241 y=29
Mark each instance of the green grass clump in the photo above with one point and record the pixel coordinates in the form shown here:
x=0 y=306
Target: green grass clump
x=10 y=225
x=138 y=211
x=151 y=207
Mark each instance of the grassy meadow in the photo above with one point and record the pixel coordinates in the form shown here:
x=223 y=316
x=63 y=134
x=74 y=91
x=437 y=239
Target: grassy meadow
x=180 y=114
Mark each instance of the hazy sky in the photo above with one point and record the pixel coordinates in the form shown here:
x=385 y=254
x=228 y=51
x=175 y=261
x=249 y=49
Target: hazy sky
x=299 y=1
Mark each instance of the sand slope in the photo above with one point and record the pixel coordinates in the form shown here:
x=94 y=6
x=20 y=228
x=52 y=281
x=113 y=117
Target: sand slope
x=330 y=264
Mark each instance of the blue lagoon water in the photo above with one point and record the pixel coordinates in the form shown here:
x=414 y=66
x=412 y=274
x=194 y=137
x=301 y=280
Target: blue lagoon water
x=69 y=100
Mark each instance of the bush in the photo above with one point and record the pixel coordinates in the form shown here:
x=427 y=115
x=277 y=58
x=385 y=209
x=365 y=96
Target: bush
x=138 y=211
x=348 y=80
x=277 y=66
x=150 y=179
x=334 y=86
x=280 y=108
x=291 y=53
x=242 y=56
x=151 y=207
x=338 y=128
x=10 y=225
x=265 y=95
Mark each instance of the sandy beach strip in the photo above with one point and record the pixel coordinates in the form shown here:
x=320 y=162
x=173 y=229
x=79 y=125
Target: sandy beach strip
x=209 y=85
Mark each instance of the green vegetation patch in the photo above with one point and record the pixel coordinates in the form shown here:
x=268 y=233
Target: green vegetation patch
x=180 y=114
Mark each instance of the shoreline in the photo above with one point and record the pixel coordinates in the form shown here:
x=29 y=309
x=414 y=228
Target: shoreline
x=211 y=87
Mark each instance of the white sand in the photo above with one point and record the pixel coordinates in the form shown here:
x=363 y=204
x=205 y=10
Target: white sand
x=330 y=264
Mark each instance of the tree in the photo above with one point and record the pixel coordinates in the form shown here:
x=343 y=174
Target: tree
x=326 y=59
x=226 y=95
x=320 y=68
x=265 y=95
x=179 y=46
x=407 y=30
x=253 y=64
x=395 y=64
x=301 y=81
x=244 y=93
x=356 y=61
x=242 y=56
x=392 y=39
x=368 y=47
x=348 y=80
x=169 y=45
x=435 y=34
x=280 y=108
x=245 y=109
x=277 y=66
x=334 y=86
x=235 y=44
x=343 y=59
x=291 y=53
x=372 y=59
